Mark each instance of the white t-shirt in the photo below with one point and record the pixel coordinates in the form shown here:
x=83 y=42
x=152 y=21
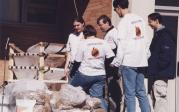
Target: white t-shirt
x=112 y=38
x=92 y=53
x=72 y=44
x=133 y=46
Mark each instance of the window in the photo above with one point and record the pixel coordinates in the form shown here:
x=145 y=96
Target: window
x=41 y=11
x=10 y=11
x=167 y=2
x=29 y=11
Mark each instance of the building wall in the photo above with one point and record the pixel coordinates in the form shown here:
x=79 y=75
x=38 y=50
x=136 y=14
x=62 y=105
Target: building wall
x=1 y=71
x=96 y=8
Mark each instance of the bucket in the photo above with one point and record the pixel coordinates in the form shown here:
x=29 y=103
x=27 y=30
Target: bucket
x=25 y=105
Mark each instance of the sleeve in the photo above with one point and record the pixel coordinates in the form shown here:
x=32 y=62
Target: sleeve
x=148 y=48
x=68 y=48
x=167 y=49
x=122 y=30
x=108 y=51
x=115 y=37
x=148 y=42
x=121 y=34
x=119 y=56
x=79 y=55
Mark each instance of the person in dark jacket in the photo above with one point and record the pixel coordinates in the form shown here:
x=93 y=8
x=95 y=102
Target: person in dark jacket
x=162 y=62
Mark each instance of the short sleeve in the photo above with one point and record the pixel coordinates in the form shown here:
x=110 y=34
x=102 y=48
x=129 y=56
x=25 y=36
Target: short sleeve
x=108 y=51
x=68 y=46
x=80 y=51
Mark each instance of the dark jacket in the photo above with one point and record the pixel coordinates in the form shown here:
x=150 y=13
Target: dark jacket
x=162 y=63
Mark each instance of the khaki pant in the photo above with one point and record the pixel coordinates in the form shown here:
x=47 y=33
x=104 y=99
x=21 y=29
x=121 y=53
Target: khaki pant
x=160 y=95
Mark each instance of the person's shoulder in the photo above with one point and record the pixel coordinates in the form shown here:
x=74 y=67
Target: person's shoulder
x=98 y=40
x=71 y=35
x=166 y=35
x=132 y=16
x=164 y=32
x=112 y=31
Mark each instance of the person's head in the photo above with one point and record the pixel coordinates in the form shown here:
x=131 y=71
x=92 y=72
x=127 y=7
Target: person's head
x=89 y=31
x=78 y=24
x=104 y=23
x=155 y=20
x=120 y=7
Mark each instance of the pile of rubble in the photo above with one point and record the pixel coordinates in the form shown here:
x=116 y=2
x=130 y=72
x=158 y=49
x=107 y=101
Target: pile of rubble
x=68 y=99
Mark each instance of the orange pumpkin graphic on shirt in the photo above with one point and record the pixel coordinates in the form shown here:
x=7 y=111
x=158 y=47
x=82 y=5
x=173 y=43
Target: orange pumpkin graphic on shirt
x=95 y=52
x=138 y=31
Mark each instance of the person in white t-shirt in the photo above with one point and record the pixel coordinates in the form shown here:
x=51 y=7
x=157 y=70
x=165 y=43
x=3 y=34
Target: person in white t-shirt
x=73 y=43
x=89 y=62
x=132 y=56
x=114 y=81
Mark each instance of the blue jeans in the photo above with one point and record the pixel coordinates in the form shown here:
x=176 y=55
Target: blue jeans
x=93 y=85
x=133 y=82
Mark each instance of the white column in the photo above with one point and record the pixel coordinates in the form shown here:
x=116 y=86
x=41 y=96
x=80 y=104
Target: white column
x=178 y=42
x=171 y=95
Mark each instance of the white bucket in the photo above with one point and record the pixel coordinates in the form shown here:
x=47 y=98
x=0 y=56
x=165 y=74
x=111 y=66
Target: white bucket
x=25 y=105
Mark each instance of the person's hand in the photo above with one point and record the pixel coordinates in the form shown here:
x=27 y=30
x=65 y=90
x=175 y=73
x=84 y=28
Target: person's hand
x=111 y=65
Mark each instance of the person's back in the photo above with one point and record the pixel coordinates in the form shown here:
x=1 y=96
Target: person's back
x=162 y=65
x=133 y=40
x=94 y=53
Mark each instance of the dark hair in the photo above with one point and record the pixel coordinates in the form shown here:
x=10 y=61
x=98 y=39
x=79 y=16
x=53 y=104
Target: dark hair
x=155 y=16
x=79 y=19
x=121 y=3
x=89 y=31
x=105 y=19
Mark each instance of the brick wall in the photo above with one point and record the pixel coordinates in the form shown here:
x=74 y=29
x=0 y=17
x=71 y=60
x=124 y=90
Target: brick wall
x=96 y=8
x=1 y=70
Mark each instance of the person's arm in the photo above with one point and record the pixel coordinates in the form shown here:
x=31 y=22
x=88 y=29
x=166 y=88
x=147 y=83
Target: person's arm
x=119 y=56
x=148 y=42
x=78 y=60
x=121 y=34
x=68 y=57
x=66 y=69
x=75 y=67
x=167 y=50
